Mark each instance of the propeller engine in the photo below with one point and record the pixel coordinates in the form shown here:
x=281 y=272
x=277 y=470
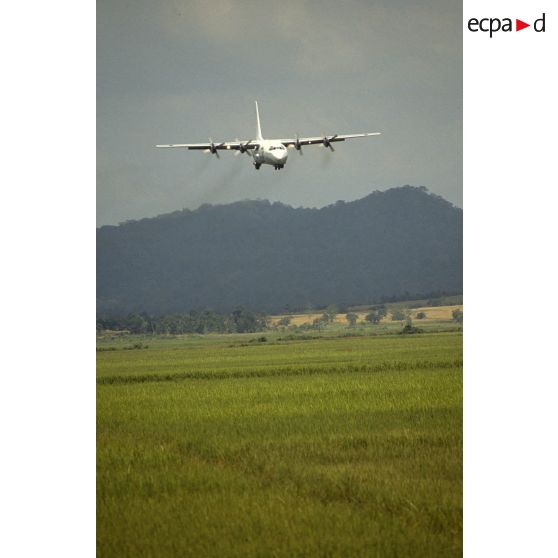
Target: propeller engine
x=326 y=141
x=243 y=147
x=213 y=148
x=298 y=145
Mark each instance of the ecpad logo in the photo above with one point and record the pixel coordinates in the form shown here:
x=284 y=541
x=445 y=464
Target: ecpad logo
x=494 y=24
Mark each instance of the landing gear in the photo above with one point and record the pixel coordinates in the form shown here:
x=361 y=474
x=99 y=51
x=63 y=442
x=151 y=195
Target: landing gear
x=278 y=167
x=257 y=166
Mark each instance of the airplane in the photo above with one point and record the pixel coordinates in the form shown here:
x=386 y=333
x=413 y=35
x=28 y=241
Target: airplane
x=268 y=152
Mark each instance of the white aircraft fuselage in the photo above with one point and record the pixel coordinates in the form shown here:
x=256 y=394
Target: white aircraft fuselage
x=272 y=152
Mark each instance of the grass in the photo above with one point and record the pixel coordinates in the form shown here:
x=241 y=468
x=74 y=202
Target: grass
x=215 y=446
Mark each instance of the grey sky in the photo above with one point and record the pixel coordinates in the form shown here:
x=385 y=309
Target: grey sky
x=182 y=71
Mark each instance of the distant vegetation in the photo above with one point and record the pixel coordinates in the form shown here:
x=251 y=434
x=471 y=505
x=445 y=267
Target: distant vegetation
x=273 y=258
x=457 y=315
x=397 y=314
x=239 y=321
x=242 y=320
x=376 y=314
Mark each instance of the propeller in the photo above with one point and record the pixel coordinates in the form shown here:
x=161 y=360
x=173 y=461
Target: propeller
x=298 y=145
x=326 y=141
x=213 y=148
x=243 y=147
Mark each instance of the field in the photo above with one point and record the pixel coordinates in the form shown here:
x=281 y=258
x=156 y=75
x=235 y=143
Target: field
x=433 y=314
x=283 y=445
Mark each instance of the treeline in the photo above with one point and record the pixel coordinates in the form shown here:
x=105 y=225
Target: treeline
x=240 y=320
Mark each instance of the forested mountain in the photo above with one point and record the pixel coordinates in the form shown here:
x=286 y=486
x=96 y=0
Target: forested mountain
x=270 y=257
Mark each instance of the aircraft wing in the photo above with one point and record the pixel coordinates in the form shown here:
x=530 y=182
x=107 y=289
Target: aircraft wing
x=212 y=146
x=324 y=140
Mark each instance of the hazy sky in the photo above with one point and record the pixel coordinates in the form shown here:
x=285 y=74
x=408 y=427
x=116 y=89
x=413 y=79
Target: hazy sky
x=182 y=71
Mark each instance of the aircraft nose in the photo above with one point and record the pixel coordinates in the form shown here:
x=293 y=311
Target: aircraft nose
x=281 y=155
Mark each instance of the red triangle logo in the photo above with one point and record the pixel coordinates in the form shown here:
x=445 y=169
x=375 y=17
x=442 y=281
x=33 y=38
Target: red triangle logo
x=519 y=25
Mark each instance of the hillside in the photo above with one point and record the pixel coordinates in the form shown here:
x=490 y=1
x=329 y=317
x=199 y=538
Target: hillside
x=272 y=257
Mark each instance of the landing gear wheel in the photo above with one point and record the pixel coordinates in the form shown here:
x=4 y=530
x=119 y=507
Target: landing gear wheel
x=257 y=166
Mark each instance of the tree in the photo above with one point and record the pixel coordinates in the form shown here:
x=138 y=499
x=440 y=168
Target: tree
x=137 y=323
x=323 y=320
x=106 y=322
x=244 y=320
x=352 y=318
x=284 y=321
x=409 y=327
x=457 y=315
x=330 y=312
x=376 y=314
x=421 y=315
x=397 y=314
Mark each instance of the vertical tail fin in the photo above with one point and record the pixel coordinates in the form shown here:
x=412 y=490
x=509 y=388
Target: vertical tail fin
x=259 y=131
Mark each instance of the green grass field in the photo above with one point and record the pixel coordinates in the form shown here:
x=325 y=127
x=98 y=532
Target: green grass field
x=227 y=446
